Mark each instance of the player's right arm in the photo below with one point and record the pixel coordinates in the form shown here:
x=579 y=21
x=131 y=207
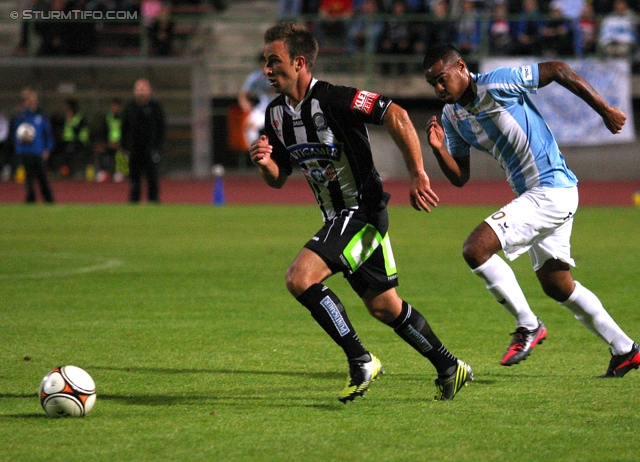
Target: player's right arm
x=456 y=169
x=260 y=152
x=561 y=72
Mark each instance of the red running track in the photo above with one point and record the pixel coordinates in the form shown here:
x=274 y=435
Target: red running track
x=247 y=189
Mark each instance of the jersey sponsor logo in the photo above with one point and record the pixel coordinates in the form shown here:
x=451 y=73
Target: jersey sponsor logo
x=298 y=123
x=527 y=74
x=334 y=314
x=364 y=101
x=313 y=151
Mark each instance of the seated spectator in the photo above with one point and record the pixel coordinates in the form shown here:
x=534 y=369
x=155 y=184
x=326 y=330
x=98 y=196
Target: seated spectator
x=618 y=34
x=418 y=6
x=396 y=40
x=602 y=7
x=468 y=27
x=556 y=35
x=334 y=16
x=364 y=31
x=161 y=33
x=527 y=30
x=150 y=9
x=441 y=30
x=289 y=9
x=500 y=31
x=52 y=33
x=588 y=30
x=80 y=37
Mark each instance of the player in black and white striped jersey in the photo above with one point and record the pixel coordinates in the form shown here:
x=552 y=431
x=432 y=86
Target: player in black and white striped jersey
x=322 y=127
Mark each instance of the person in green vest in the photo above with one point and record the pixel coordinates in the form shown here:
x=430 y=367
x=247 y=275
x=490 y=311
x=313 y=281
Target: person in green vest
x=75 y=138
x=112 y=161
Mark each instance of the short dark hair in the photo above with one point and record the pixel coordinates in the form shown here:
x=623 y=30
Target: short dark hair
x=447 y=53
x=297 y=38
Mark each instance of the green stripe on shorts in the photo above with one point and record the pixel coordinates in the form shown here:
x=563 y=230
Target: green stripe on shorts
x=362 y=246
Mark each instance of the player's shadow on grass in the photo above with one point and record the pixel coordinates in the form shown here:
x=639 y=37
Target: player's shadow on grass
x=312 y=375
x=270 y=396
x=21 y=396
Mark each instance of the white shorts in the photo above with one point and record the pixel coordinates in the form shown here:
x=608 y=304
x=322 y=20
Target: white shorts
x=539 y=221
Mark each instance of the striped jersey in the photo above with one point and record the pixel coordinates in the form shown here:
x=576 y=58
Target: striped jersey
x=503 y=122
x=326 y=135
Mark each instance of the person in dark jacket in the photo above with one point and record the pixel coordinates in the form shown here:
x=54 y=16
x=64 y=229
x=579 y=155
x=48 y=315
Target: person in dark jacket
x=143 y=130
x=33 y=142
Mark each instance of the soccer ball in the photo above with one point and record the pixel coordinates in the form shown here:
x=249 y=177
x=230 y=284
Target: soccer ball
x=67 y=391
x=26 y=132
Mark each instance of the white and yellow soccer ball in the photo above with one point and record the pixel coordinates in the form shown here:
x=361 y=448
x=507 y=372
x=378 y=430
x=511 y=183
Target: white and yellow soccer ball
x=67 y=391
x=26 y=132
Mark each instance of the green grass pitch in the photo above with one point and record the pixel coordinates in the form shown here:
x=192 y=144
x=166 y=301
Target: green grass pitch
x=181 y=316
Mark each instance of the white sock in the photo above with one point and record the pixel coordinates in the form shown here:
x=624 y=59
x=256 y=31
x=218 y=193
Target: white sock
x=588 y=309
x=503 y=285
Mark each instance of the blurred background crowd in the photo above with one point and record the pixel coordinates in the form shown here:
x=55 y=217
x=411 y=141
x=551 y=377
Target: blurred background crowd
x=384 y=27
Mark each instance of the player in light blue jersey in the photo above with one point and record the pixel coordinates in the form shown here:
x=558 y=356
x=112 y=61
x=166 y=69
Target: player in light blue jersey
x=492 y=112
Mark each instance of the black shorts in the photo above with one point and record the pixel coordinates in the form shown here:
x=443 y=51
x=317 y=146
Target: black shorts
x=358 y=246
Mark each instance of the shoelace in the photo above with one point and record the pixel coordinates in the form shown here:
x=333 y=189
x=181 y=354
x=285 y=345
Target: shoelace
x=520 y=337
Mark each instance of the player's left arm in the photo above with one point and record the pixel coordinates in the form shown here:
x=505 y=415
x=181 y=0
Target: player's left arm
x=561 y=72
x=399 y=125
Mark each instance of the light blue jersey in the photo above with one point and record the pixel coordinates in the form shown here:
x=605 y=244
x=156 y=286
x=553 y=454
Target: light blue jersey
x=503 y=122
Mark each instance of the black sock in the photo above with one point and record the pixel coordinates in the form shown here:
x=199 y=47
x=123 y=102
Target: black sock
x=414 y=329
x=328 y=311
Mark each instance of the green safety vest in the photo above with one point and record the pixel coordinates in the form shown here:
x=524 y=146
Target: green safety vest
x=114 y=125
x=69 y=133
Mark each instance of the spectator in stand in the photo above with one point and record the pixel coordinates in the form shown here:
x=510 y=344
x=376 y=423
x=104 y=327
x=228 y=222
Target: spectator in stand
x=80 y=37
x=335 y=16
x=52 y=33
x=500 y=31
x=396 y=40
x=161 y=33
x=439 y=31
x=364 y=30
x=417 y=6
x=150 y=10
x=556 y=34
x=527 y=30
x=602 y=7
x=570 y=8
x=588 y=29
x=618 y=32
x=469 y=28
x=288 y=9
x=25 y=27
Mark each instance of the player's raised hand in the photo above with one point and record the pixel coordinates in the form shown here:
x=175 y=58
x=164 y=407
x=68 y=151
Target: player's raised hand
x=260 y=151
x=614 y=119
x=435 y=133
x=421 y=195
